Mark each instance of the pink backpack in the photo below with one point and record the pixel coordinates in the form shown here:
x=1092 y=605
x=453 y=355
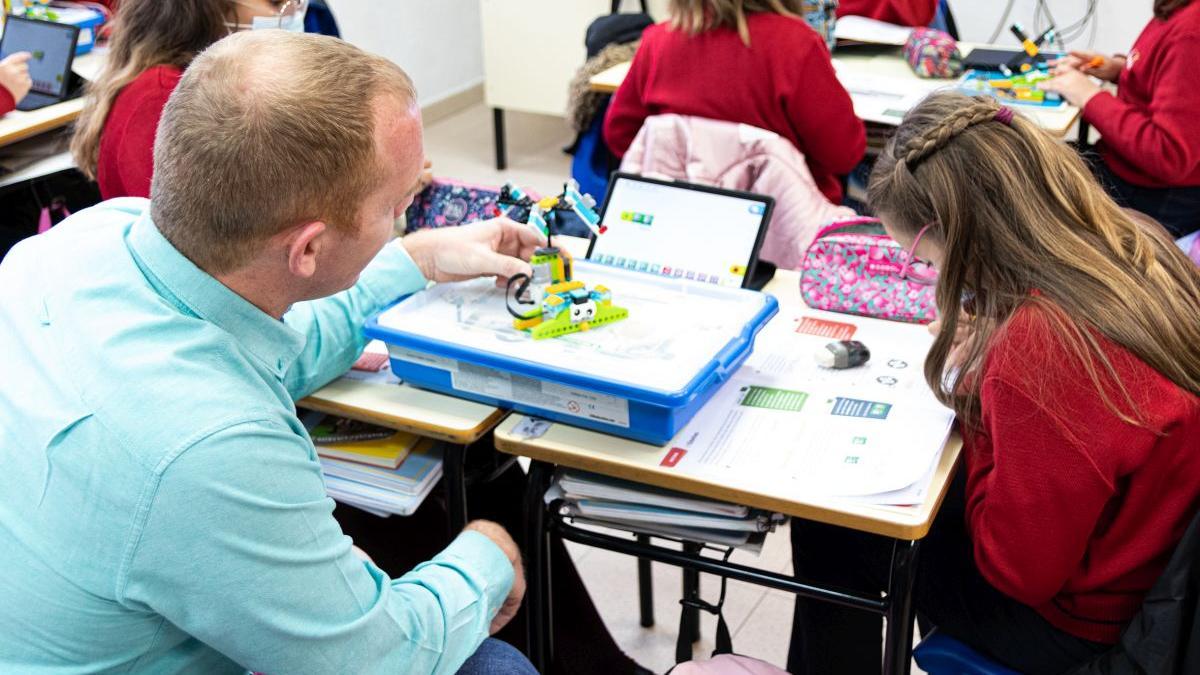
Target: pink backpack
x=853 y=267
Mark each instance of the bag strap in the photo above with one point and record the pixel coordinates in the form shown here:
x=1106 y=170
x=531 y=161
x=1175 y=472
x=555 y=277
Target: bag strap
x=846 y=222
x=724 y=640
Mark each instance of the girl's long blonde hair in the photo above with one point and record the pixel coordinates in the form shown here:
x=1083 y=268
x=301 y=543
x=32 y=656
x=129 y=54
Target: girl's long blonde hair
x=1022 y=220
x=146 y=33
x=697 y=16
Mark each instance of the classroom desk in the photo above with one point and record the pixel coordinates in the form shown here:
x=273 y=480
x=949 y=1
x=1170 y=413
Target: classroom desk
x=453 y=423
x=879 y=80
x=575 y=448
x=19 y=124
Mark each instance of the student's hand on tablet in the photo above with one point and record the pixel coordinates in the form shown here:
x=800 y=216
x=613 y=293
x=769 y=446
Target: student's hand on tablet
x=502 y=539
x=498 y=247
x=1074 y=86
x=14 y=75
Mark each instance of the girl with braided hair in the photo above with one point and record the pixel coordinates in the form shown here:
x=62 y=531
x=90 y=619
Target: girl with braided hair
x=1070 y=350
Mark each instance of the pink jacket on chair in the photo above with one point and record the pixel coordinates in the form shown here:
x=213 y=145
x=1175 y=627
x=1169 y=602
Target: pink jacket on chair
x=739 y=157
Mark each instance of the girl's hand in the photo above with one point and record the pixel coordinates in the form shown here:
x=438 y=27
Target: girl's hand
x=1107 y=68
x=14 y=75
x=1073 y=86
x=961 y=333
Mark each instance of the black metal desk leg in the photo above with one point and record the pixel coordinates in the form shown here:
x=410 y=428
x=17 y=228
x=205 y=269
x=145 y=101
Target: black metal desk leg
x=645 y=586
x=897 y=642
x=691 y=591
x=498 y=134
x=454 y=458
x=537 y=566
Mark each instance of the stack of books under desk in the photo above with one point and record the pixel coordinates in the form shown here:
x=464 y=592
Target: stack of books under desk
x=594 y=500
x=378 y=470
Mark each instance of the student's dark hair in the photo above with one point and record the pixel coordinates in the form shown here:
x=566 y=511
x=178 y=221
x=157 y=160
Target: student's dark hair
x=1163 y=9
x=146 y=33
x=1021 y=220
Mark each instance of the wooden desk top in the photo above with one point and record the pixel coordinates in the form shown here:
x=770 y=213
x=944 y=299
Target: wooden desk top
x=406 y=408
x=576 y=448
x=418 y=411
x=621 y=458
x=865 y=72
x=19 y=124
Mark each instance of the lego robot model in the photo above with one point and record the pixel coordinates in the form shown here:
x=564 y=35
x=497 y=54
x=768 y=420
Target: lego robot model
x=559 y=305
x=544 y=213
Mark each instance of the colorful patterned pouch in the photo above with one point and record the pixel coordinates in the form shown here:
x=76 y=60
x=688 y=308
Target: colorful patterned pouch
x=446 y=203
x=933 y=53
x=853 y=267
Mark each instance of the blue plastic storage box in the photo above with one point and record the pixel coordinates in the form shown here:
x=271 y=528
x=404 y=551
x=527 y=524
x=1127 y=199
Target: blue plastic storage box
x=642 y=378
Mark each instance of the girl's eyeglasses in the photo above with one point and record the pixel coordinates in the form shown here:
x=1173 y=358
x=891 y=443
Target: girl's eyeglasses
x=915 y=270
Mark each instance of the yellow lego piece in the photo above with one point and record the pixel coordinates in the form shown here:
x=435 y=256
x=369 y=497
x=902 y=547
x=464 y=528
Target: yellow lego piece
x=564 y=287
x=548 y=203
x=526 y=324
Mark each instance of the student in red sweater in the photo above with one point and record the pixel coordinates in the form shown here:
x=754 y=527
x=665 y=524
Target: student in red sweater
x=754 y=62
x=14 y=81
x=1070 y=350
x=1150 y=137
x=900 y=12
x=153 y=41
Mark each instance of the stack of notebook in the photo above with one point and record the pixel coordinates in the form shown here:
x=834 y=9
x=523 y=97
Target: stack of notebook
x=590 y=499
x=373 y=468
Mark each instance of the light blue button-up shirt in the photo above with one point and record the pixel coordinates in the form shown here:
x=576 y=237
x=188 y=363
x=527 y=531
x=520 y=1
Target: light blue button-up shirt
x=161 y=507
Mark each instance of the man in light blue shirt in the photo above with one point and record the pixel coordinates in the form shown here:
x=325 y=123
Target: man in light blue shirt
x=161 y=507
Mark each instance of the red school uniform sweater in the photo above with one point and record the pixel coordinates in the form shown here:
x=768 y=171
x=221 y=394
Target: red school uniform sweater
x=126 y=162
x=1151 y=129
x=900 y=12
x=7 y=102
x=1071 y=510
x=783 y=82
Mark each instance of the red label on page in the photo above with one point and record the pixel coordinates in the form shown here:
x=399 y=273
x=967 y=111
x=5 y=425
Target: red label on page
x=673 y=457
x=834 y=330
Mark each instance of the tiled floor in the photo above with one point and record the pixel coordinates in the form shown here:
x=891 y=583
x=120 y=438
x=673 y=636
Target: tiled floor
x=759 y=619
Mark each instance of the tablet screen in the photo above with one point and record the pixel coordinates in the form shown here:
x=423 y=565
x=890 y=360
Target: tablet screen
x=52 y=46
x=681 y=230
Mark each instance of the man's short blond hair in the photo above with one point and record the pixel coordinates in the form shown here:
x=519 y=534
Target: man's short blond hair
x=267 y=130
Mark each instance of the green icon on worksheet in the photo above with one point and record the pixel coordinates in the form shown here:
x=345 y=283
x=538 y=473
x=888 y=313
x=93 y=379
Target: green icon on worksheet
x=852 y=407
x=860 y=440
x=773 y=399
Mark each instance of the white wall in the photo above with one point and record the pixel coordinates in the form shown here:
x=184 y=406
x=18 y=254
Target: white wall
x=437 y=42
x=1118 y=21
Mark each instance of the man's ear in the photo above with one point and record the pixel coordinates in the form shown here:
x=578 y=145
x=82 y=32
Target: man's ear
x=304 y=243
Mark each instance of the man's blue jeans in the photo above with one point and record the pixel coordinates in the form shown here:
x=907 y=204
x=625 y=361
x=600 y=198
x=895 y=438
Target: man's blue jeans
x=497 y=658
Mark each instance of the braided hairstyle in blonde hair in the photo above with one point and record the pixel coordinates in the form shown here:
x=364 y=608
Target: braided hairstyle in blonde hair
x=1020 y=219
x=920 y=147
